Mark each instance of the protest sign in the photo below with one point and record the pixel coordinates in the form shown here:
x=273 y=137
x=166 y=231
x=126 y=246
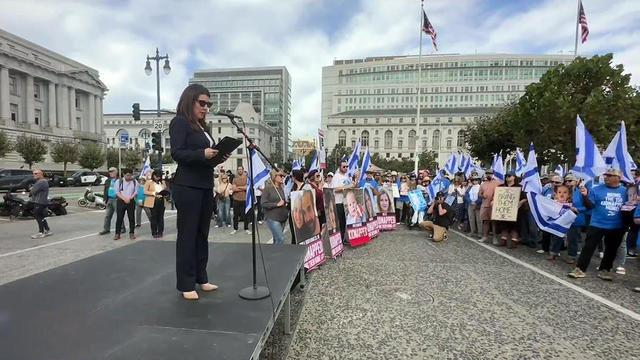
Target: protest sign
x=371 y=207
x=386 y=210
x=356 y=217
x=306 y=227
x=332 y=236
x=418 y=203
x=505 y=203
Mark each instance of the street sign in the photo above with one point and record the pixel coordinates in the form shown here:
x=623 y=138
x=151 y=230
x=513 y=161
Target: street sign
x=158 y=125
x=124 y=139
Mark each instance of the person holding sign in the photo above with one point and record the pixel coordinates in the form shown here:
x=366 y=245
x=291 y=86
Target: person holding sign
x=512 y=228
x=275 y=206
x=442 y=215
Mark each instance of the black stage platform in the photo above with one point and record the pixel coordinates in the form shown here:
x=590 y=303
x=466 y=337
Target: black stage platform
x=122 y=304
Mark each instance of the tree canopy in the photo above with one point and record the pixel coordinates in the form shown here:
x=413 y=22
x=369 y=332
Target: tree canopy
x=91 y=156
x=31 y=149
x=65 y=152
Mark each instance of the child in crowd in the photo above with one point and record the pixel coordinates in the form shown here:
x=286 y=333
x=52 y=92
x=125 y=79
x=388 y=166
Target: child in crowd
x=563 y=195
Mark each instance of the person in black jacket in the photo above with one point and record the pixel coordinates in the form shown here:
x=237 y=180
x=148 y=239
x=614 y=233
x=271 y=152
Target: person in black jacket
x=192 y=148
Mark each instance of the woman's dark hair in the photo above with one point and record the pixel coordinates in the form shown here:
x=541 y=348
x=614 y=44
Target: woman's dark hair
x=185 y=105
x=157 y=173
x=298 y=175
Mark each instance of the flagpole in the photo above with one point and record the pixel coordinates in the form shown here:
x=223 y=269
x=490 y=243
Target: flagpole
x=417 y=137
x=575 y=48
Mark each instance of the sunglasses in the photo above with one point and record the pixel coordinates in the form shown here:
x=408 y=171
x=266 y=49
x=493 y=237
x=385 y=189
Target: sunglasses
x=203 y=103
x=557 y=182
x=343 y=167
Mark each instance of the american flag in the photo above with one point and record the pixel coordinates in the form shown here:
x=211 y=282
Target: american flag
x=582 y=20
x=428 y=29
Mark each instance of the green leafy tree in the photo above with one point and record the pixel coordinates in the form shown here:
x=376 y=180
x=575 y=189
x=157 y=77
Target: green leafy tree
x=91 y=156
x=65 y=152
x=31 y=149
x=112 y=157
x=6 y=145
x=132 y=159
x=428 y=160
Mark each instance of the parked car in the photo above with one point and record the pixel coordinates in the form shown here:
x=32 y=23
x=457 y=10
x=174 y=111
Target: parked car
x=17 y=179
x=83 y=178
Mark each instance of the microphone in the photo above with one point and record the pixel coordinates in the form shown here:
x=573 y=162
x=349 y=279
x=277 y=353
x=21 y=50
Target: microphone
x=230 y=116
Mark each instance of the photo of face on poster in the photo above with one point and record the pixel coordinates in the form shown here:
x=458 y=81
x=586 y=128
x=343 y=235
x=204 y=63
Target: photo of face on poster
x=370 y=203
x=330 y=210
x=385 y=202
x=353 y=207
x=304 y=215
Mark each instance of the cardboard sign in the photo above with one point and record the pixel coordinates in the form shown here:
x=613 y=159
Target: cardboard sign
x=371 y=207
x=304 y=215
x=417 y=200
x=315 y=253
x=387 y=222
x=505 y=203
x=395 y=191
x=358 y=235
x=356 y=217
x=331 y=234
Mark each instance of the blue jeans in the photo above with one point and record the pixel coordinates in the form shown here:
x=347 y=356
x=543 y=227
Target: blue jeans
x=277 y=230
x=556 y=244
x=574 y=237
x=224 y=216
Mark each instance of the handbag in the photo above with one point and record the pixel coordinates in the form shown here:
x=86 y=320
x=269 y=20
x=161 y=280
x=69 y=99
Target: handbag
x=220 y=196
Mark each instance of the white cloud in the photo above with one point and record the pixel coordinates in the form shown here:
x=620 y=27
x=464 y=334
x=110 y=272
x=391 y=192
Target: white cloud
x=115 y=37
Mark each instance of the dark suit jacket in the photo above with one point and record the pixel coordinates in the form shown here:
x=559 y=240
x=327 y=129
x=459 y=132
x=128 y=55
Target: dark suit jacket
x=187 y=149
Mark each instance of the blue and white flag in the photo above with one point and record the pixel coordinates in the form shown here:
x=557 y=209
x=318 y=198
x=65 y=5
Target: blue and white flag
x=260 y=174
x=366 y=164
x=435 y=186
x=531 y=177
x=302 y=161
x=498 y=168
x=462 y=160
x=550 y=215
x=559 y=171
x=467 y=168
x=314 y=163
x=589 y=162
x=296 y=165
x=288 y=186
x=352 y=164
x=452 y=164
x=520 y=163
x=617 y=156
x=145 y=167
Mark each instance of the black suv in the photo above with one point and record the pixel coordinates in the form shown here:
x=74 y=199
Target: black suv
x=15 y=179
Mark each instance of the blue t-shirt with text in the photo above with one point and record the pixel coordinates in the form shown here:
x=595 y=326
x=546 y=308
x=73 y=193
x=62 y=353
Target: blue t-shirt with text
x=607 y=202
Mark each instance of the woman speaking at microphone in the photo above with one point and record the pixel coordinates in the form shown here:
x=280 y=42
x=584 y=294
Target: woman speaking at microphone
x=192 y=149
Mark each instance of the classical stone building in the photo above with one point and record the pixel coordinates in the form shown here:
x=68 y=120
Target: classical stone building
x=303 y=146
x=375 y=99
x=48 y=96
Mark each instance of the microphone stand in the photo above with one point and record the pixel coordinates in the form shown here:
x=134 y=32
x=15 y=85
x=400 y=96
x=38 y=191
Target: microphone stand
x=254 y=291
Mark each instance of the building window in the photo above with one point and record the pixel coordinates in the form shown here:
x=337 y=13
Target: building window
x=13 y=86
x=410 y=155
x=219 y=130
x=238 y=162
x=435 y=143
x=412 y=140
x=38 y=115
x=77 y=102
x=353 y=143
x=450 y=119
x=449 y=143
x=400 y=120
x=79 y=125
x=388 y=139
x=353 y=121
x=376 y=131
x=399 y=155
x=424 y=132
x=461 y=138
x=342 y=138
x=377 y=120
x=376 y=144
x=36 y=91
x=365 y=138
x=14 y=111
x=239 y=150
x=388 y=155
x=399 y=143
x=424 y=144
x=353 y=132
x=399 y=132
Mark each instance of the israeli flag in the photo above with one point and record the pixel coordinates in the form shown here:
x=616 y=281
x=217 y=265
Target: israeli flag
x=452 y=164
x=617 y=156
x=296 y=165
x=352 y=164
x=314 y=163
x=520 y=163
x=559 y=171
x=434 y=187
x=498 y=168
x=145 y=167
x=260 y=174
x=461 y=162
x=366 y=164
x=288 y=186
x=550 y=215
x=589 y=162
x=467 y=167
x=531 y=177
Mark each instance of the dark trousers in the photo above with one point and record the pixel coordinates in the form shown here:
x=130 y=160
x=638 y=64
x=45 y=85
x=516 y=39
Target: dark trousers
x=157 y=217
x=407 y=213
x=39 y=213
x=612 y=239
x=342 y=221
x=260 y=213
x=130 y=208
x=632 y=237
x=195 y=207
x=546 y=241
x=238 y=213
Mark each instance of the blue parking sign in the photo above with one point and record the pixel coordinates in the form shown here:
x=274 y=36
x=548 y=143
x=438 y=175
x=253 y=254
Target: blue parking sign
x=124 y=139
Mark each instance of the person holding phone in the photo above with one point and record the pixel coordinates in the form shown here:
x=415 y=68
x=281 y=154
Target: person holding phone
x=442 y=215
x=192 y=148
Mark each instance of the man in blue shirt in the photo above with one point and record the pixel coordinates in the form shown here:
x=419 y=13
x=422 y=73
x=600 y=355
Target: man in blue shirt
x=110 y=200
x=605 y=201
x=370 y=181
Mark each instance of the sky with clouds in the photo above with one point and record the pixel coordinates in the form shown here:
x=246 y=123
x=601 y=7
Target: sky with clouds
x=115 y=36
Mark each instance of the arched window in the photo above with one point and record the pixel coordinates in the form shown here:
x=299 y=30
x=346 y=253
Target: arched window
x=412 y=140
x=342 y=138
x=365 y=138
x=388 y=139
x=435 y=143
x=460 y=138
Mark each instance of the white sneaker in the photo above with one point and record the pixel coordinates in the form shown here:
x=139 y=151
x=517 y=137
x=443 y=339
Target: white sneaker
x=540 y=251
x=216 y=226
x=601 y=254
x=621 y=271
x=482 y=239
x=48 y=233
x=249 y=232
x=233 y=232
x=38 y=236
x=260 y=222
x=228 y=226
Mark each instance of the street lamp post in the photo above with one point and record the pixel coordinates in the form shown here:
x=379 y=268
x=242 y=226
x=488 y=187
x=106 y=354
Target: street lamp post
x=158 y=125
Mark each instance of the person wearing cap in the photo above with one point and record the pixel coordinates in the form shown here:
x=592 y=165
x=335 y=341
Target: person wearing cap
x=606 y=222
x=369 y=181
x=574 y=235
x=328 y=179
x=442 y=215
x=110 y=200
x=486 y=192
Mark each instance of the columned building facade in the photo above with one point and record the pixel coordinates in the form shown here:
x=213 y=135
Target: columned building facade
x=375 y=99
x=48 y=96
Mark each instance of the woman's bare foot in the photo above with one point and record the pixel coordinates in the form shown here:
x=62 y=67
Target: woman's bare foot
x=208 y=287
x=190 y=295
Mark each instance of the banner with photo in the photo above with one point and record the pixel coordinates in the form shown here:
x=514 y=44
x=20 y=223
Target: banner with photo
x=371 y=207
x=418 y=203
x=306 y=227
x=386 y=210
x=331 y=234
x=356 y=217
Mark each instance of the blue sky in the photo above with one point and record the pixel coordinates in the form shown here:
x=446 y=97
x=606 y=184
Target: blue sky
x=114 y=37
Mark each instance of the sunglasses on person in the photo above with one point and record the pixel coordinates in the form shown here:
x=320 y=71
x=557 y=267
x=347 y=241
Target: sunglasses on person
x=343 y=166
x=557 y=182
x=203 y=103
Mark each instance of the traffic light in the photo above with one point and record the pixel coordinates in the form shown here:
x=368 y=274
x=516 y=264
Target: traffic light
x=136 y=111
x=156 y=143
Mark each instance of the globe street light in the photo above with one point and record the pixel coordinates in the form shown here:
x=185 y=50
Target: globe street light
x=147 y=70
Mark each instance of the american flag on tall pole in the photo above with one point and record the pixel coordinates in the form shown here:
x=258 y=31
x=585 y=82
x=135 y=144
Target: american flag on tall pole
x=429 y=30
x=582 y=20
